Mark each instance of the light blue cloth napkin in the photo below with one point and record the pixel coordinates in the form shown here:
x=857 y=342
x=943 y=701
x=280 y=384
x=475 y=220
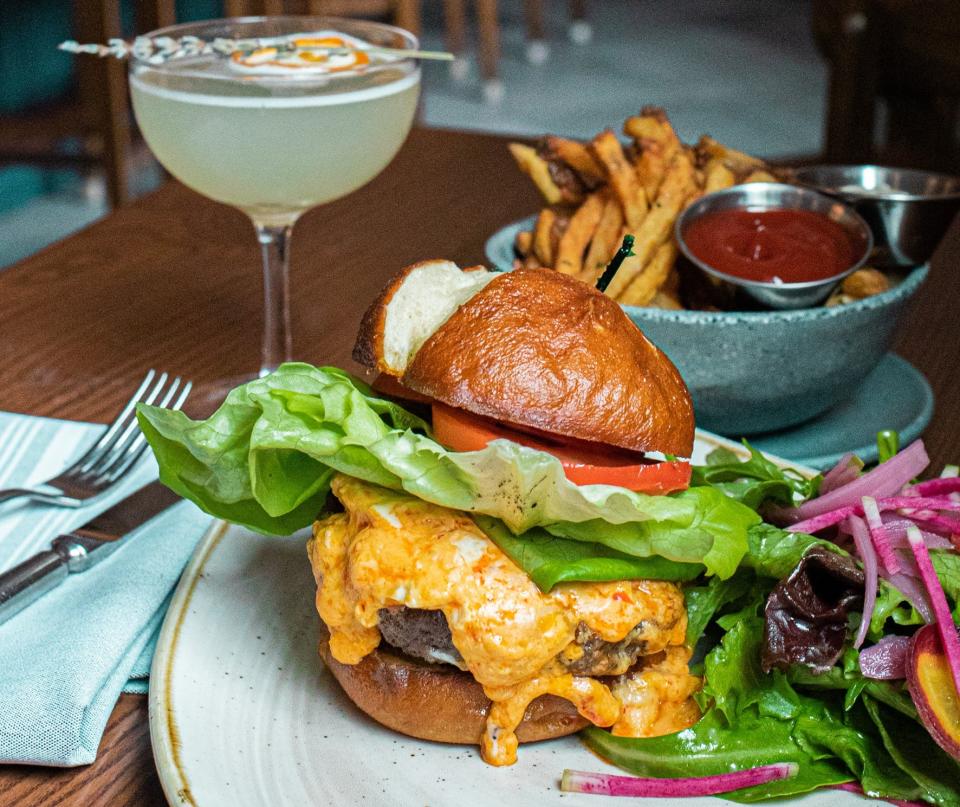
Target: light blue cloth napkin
x=65 y=659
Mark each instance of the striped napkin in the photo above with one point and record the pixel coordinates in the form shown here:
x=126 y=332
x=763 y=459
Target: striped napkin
x=66 y=658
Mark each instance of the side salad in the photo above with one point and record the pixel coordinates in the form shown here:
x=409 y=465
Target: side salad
x=823 y=610
x=834 y=646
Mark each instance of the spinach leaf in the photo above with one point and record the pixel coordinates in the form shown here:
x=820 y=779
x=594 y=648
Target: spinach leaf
x=713 y=746
x=892 y=605
x=752 y=718
x=549 y=560
x=755 y=480
x=852 y=738
x=913 y=750
x=706 y=601
x=773 y=552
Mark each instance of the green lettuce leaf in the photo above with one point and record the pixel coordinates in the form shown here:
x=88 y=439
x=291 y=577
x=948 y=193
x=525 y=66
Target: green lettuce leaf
x=265 y=460
x=549 y=560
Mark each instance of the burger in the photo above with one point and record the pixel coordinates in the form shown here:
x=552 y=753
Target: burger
x=501 y=524
x=433 y=630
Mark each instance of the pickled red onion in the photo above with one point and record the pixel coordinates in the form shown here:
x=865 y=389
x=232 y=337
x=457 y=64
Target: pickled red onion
x=865 y=548
x=610 y=785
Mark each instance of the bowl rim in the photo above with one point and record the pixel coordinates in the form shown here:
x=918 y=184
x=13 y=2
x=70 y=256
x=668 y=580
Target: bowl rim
x=902 y=290
x=858 y=196
x=701 y=207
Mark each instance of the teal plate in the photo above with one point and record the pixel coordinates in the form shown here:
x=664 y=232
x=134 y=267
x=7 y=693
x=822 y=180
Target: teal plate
x=894 y=396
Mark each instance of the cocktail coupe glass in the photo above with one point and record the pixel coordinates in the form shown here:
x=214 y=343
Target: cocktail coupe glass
x=272 y=138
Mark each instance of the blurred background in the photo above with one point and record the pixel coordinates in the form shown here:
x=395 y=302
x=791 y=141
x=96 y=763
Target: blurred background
x=790 y=80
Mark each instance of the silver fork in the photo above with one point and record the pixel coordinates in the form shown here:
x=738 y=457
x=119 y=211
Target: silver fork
x=117 y=450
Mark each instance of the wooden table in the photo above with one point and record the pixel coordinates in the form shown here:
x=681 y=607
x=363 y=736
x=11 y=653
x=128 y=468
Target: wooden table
x=172 y=281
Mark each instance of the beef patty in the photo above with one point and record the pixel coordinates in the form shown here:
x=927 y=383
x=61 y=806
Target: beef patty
x=425 y=635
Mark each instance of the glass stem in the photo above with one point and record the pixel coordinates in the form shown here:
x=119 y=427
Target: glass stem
x=274 y=246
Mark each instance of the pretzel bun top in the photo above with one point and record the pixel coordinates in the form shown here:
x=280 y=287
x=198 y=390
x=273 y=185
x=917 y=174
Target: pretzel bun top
x=537 y=349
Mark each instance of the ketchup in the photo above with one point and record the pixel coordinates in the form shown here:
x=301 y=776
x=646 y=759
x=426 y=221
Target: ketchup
x=771 y=246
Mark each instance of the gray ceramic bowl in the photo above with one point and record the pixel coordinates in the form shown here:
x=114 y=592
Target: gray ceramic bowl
x=759 y=371
x=909 y=211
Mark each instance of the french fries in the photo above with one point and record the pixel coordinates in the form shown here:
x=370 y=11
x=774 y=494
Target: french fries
x=523 y=242
x=736 y=160
x=717 y=176
x=622 y=176
x=574 y=241
x=535 y=167
x=606 y=241
x=543 y=236
x=657 y=226
x=760 y=175
x=646 y=285
x=577 y=156
x=596 y=192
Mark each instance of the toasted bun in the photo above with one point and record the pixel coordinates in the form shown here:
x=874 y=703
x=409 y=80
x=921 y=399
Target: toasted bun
x=437 y=702
x=533 y=348
x=538 y=348
x=416 y=301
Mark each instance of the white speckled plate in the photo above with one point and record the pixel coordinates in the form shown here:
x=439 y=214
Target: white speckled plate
x=243 y=712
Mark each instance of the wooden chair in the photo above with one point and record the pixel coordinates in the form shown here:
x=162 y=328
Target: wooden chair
x=103 y=83
x=488 y=34
x=902 y=53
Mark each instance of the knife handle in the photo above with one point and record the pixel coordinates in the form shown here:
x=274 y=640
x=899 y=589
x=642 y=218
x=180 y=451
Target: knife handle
x=30 y=580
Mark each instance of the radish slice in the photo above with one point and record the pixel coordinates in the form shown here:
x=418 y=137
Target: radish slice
x=822 y=521
x=951 y=472
x=879 y=535
x=935 y=487
x=861 y=537
x=887 y=659
x=941 y=611
x=884 y=480
x=946 y=523
x=608 y=785
x=917 y=503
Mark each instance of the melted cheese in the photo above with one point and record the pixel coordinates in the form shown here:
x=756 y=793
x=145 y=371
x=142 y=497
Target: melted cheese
x=656 y=696
x=391 y=549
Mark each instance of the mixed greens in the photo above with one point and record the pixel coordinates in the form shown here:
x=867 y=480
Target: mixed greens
x=761 y=598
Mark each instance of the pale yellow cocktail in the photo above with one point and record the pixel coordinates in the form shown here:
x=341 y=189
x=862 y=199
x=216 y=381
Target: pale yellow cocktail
x=295 y=112
x=274 y=155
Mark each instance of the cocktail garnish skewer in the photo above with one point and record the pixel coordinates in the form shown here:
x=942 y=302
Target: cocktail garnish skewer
x=157 y=50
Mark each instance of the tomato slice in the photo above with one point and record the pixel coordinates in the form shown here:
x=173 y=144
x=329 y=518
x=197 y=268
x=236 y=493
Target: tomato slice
x=583 y=463
x=388 y=385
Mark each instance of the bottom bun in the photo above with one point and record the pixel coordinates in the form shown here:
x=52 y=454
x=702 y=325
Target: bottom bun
x=438 y=702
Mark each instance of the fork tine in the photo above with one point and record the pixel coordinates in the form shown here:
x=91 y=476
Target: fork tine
x=116 y=425
x=126 y=439
x=126 y=454
x=124 y=429
x=178 y=404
